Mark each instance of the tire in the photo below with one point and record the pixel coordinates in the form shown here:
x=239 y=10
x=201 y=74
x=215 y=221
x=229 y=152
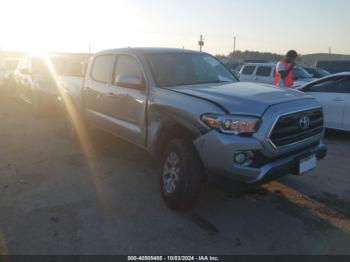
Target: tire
x=180 y=174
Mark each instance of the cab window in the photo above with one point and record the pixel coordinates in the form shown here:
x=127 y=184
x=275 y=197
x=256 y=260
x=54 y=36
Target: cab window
x=102 y=67
x=128 y=72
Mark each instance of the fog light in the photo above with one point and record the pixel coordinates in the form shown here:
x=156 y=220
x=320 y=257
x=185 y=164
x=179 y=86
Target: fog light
x=240 y=158
x=243 y=158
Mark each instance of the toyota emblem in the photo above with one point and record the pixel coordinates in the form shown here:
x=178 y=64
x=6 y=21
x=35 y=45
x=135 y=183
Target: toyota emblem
x=304 y=122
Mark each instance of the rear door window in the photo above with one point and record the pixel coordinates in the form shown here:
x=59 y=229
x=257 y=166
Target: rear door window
x=248 y=70
x=264 y=71
x=102 y=68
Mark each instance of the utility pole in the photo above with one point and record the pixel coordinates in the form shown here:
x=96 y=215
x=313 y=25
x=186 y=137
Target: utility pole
x=201 y=43
x=234 y=44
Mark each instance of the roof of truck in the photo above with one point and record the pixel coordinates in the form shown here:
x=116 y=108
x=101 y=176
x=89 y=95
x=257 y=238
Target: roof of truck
x=148 y=50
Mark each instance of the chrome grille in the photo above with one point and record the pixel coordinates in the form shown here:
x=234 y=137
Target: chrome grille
x=290 y=129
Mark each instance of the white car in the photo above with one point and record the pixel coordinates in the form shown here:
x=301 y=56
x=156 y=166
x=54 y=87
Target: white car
x=333 y=92
x=265 y=73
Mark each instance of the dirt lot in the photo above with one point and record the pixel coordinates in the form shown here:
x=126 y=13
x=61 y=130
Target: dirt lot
x=56 y=199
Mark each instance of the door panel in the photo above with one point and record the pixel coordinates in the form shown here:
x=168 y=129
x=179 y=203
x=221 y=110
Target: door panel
x=95 y=91
x=333 y=93
x=116 y=110
x=137 y=101
x=94 y=97
x=127 y=103
x=346 y=115
x=333 y=107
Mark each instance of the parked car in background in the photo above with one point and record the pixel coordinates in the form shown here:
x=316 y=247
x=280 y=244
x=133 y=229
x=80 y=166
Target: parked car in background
x=70 y=84
x=234 y=67
x=190 y=111
x=334 y=66
x=10 y=64
x=316 y=72
x=265 y=73
x=333 y=92
x=36 y=80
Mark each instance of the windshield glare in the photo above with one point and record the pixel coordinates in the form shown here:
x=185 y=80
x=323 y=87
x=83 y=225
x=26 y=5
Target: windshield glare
x=174 y=69
x=61 y=66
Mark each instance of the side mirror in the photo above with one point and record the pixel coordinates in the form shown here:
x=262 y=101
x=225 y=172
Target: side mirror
x=25 y=71
x=131 y=81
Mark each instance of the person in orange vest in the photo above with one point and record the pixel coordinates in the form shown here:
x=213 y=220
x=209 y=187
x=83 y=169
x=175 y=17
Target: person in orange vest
x=284 y=77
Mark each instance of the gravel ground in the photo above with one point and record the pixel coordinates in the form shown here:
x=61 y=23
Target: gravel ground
x=57 y=199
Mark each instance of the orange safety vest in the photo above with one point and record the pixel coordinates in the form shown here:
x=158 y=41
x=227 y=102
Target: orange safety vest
x=289 y=80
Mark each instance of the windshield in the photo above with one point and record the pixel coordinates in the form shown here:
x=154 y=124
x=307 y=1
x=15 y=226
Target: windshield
x=174 y=69
x=300 y=73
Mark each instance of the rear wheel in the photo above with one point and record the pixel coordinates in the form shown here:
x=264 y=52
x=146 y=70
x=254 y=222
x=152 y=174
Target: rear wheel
x=180 y=174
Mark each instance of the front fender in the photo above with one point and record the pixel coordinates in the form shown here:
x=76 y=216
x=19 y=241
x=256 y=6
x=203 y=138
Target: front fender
x=165 y=119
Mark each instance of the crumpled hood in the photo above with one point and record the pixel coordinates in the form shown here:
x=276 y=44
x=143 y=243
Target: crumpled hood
x=242 y=97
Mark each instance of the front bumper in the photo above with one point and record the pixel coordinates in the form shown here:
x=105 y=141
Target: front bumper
x=217 y=152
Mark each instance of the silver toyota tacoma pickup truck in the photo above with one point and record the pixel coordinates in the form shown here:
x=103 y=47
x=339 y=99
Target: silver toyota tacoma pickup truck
x=187 y=109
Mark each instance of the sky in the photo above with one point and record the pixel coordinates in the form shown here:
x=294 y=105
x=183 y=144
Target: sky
x=309 y=26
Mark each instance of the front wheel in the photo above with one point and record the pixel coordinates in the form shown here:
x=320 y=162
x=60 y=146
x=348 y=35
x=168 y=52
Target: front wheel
x=180 y=174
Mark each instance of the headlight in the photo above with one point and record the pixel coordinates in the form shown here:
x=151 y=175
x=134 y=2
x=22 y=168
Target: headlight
x=231 y=124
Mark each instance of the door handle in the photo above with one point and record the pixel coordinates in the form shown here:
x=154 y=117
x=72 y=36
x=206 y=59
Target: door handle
x=338 y=99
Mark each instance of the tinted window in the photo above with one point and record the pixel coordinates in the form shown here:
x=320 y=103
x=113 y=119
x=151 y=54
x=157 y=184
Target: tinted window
x=127 y=71
x=172 y=69
x=248 y=70
x=263 y=71
x=101 y=69
x=334 y=85
x=334 y=66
